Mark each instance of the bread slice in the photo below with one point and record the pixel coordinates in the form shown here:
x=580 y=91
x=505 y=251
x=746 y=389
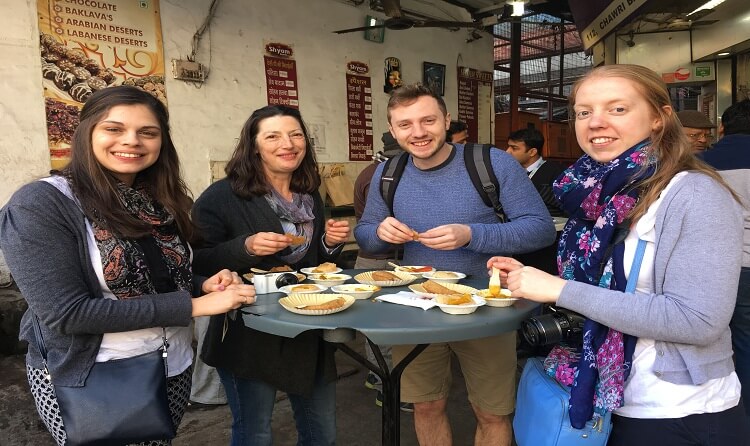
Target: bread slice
x=433 y=287
x=384 y=276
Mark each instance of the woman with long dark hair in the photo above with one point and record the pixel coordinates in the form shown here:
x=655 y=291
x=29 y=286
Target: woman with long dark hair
x=256 y=217
x=100 y=252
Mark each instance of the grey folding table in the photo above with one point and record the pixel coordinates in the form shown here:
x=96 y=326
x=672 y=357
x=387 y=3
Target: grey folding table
x=388 y=324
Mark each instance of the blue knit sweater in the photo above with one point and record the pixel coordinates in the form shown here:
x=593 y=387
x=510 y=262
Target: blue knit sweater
x=444 y=195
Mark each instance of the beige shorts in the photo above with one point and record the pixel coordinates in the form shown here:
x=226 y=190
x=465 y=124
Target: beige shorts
x=488 y=366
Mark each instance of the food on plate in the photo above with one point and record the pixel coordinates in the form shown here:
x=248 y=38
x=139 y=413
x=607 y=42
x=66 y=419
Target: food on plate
x=327 y=277
x=330 y=305
x=327 y=267
x=457 y=299
x=296 y=239
x=435 y=288
x=415 y=269
x=384 y=276
x=444 y=275
x=280 y=269
x=304 y=287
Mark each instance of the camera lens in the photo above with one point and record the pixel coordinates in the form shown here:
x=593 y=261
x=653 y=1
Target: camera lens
x=286 y=279
x=544 y=330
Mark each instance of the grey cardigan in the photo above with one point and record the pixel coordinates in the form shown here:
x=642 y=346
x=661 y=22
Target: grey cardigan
x=44 y=240
x=696 y=271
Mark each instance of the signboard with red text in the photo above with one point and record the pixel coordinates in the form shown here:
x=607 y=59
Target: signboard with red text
x=359 y=110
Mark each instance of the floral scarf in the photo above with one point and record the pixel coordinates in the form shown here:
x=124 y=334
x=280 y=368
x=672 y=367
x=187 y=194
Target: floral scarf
x=598 y=197
x=296 y=218
x=123 y=261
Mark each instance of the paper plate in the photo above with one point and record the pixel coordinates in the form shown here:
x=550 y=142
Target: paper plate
x=303 y=288
x=461 y=309
x=497 y=301
x=293 y=300
x=311 y=270
x=329 y=279
x=356 y=290
x=418 y=289
x=366 y=278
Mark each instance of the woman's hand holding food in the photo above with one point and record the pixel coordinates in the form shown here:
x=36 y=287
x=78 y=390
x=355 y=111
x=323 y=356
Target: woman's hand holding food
x=446 y=237
x=393 y=231
x=218 y=302
x=526 y=281
x=221 y=280
x=266 y=243
x=337 y=231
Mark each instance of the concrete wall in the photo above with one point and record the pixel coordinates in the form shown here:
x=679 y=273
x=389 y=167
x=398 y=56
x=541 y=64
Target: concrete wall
x=206 y=120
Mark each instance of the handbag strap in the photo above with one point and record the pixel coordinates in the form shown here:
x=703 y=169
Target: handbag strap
x=635 y=270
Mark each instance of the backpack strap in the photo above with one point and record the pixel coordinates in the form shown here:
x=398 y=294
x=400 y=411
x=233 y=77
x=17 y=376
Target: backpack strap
x=392 y=171
x=479 y=166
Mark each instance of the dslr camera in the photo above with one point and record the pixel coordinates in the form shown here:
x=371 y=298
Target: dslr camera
x=552 y=327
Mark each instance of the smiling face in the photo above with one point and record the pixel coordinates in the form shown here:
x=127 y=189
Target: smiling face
x=281 y=145
x=612 y=115
x=127 y=141
x=419 y=127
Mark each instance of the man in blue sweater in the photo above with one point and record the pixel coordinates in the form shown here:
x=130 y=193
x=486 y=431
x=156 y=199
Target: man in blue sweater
x=731 y=157
x=441 y=221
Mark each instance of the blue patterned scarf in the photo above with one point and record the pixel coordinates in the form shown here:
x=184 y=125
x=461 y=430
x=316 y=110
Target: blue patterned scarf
x=296 y=218
x=598 y=197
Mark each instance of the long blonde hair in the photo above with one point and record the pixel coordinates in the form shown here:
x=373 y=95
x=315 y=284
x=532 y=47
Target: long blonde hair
x=669 y=144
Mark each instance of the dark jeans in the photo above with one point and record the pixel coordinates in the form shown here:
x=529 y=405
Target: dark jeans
x=728 y=428
x=740 y=327
x=252 y=401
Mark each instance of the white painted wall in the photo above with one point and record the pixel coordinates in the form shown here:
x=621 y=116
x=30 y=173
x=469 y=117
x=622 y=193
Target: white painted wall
x=206 y=120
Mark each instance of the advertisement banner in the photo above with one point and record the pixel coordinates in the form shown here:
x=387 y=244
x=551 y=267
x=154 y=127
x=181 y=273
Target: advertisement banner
x=359 y=111
x=474 y=99
x=281 y=75
x=89 y=45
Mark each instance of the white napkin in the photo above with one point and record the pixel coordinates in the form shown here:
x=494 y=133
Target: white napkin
x=407 y=298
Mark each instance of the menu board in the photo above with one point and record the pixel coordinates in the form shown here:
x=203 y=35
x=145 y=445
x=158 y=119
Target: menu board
x=281 y=75
x=474 y=102
x=359 y=111
x=89 y=45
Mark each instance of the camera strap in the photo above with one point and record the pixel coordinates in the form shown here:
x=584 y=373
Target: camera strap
x=635 y=270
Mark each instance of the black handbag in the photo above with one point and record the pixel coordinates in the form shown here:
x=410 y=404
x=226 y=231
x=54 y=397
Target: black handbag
x=123 y=401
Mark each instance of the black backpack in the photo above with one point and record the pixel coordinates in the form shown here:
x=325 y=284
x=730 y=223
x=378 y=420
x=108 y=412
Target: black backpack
x=477 y=160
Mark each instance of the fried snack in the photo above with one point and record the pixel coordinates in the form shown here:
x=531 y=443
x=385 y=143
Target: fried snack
x=384 y=276
x=414 y=235
x=280 y=269
x=327 y=267
x=305 y=287
x=444 y=275
x=433 y=287
x=296 y=239
x=457 y=299
x=330 y=305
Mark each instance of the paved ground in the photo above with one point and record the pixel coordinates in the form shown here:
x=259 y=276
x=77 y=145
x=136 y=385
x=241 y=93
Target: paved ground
x=357 y=417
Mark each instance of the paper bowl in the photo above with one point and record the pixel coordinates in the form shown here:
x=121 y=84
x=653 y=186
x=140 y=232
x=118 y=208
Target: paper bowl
x=291 y=302
x=367 y=279
x=303 y=288
x=357 y=291
x=311 y=270
x=497 y=301
x=329 y=279
x=407 y=270
x=460 y=309
x=444 y=276
x=419 y=290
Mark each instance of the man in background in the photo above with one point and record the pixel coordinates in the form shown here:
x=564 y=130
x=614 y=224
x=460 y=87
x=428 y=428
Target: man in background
x=368 y=260
x=697 y=127
x=525 y=146
x=458 y=132
x=731 y=157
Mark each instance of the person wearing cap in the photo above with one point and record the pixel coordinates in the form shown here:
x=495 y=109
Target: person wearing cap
x=366 y=260
x=730 y=156
x=697 y=128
